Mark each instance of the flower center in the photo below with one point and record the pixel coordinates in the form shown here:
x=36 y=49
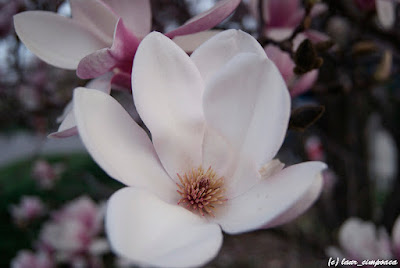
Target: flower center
x=201 y=190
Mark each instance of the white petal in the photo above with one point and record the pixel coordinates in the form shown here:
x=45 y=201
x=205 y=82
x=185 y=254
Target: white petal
x=191 y=42
x=57 y=40
x=150 y=232
x=268 y=199
x=167 y=90
x=68 y=122
x=96 y=16
x=136 y=14
x=386 y=12
x=279 y=34
x=118 y=144
x=301 y=205
x=213 y=54
x=251 y=109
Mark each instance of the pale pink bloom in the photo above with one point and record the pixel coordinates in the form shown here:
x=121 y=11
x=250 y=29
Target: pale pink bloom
x=297 y=84
x=361 y=240
x=29 y=208
x=29 y=259
x=45 y=174
x=217 y=119
x=74 y=230
x=102 y=35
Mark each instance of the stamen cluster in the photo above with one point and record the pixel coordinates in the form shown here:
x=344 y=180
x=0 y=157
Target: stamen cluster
x=201 y=190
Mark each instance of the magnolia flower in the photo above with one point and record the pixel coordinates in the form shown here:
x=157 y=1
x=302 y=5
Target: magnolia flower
x=28 y=259
x=217 y=119
x=30 y=208
x=361 y=240
x=281 y=17
x=103 y=35
x=297 y=85
x=73 y=231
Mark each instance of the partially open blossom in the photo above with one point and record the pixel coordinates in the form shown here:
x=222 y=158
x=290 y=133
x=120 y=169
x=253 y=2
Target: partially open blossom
x=30 y=208
x=296 y=84
x=217 y=119
x=361 y=240
x=29 y=259
x=281 y=17
x=74 y=231
x=103 y=35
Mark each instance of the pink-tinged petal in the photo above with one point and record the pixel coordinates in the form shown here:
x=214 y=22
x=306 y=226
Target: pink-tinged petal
x=282 y=60
x=386 y=12
x=396 y=237
x=150 y=232
x=258 y=128
x=296 y=18
x=304 y=203
x=96 y=64
x=96 y=16
x=67 y=127
x=57 y=40
x=304 y=83
x=120 y=55
x=207 y=19
x=213 y=54
x=191 y=42
x=268 y=199
x=135 y=13
x=118 y=144
x=64 y=133
x=280 y=13
x=167 y=90
x=121 y=81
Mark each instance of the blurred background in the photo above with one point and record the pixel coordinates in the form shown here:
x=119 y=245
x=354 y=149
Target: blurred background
x=341 y=63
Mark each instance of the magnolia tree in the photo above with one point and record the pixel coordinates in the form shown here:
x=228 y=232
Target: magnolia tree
x=264 y=123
